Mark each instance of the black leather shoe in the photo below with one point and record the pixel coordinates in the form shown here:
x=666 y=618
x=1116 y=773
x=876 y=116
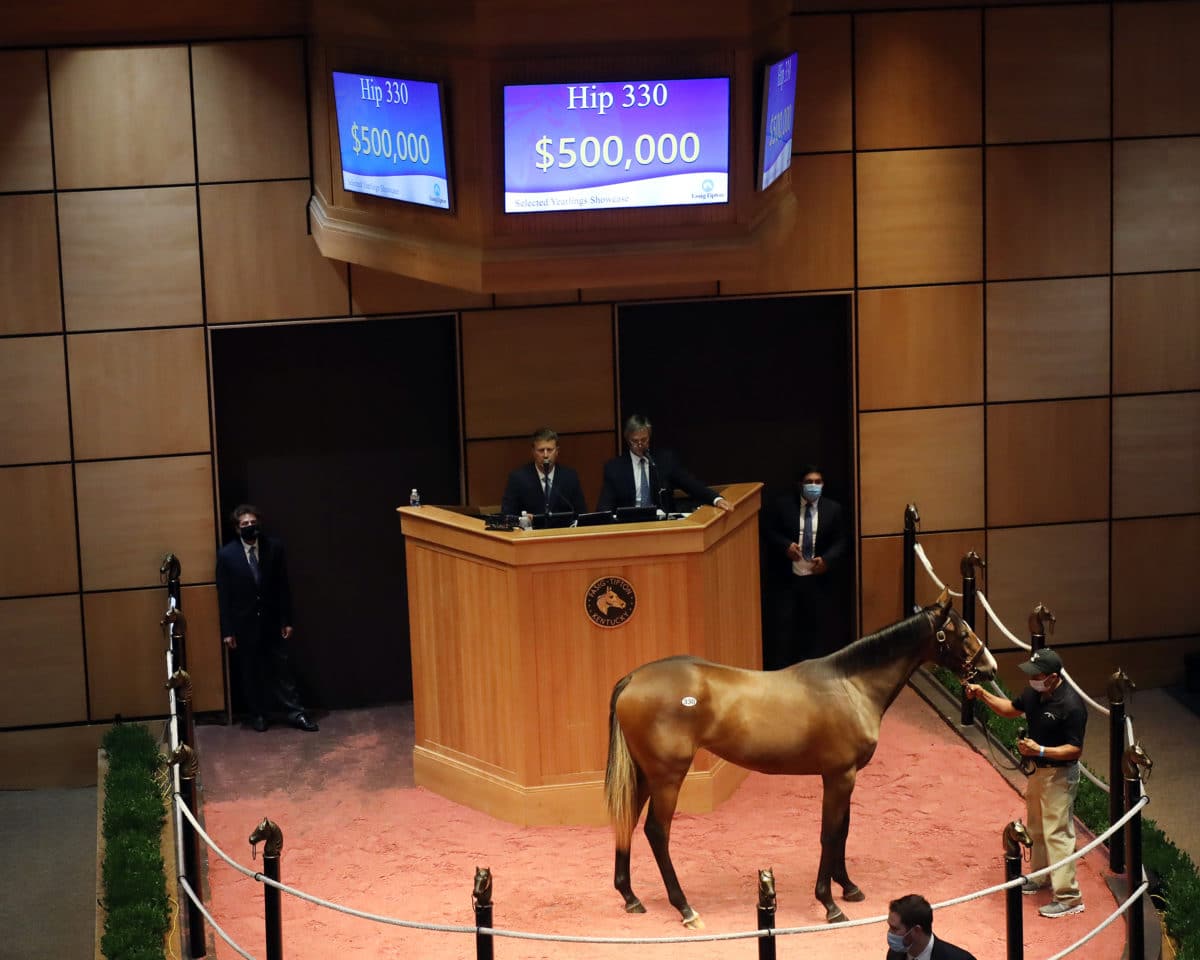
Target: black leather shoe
x=259 y=723
x=303 y=722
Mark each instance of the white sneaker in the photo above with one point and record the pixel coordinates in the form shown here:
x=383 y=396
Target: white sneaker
x=1060 y=908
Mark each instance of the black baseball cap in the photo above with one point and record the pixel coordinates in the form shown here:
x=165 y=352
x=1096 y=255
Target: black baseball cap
x=1043 y=661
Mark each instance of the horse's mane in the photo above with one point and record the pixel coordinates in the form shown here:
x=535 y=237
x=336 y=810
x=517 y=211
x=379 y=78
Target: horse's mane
x=881 y=647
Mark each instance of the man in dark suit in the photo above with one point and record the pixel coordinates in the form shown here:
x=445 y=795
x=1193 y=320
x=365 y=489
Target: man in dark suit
x=543 y=486
x=640 y=479
x=806 y=544
x=255 y=603
x=910 y=932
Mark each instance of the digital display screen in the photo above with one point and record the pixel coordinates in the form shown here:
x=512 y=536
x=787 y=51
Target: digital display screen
x=604 y=146
x=392 y=138
x=778 y=116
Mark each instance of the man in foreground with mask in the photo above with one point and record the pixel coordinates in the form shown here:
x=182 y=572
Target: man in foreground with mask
x=255 y=602
x=1057 y=722
x=910 y=933
x=543 y=486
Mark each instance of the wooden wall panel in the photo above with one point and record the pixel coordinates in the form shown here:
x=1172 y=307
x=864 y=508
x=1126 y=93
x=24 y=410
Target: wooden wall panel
x=376 y=291
x=917 y=79
x=1156 y=205
x=33 y=413
x=132 y=512
x=41 y=645
x=1156 y=338
x=933 y=458
x=524 y=368
x=259 y=261
x=1156 y=454
x=29 y=296
x=1064 y=566
x=1047 y=73
x=489 y=463
x=1047 y=210
x=204 y=650
x=126 y=661
x=1047 y=462
x=536 y=298
x=1047 y=338
x=650 y=291
x=130 y=258
x=883 y=575
x=817 y=253
x=920 y=346
x=37 y=515
x=1155 y=69
x=920 y=217
x=1149 y=599
x=823 y=84
x=25 y=162
x=251 y=116
x=137 y=394
x=121 y=116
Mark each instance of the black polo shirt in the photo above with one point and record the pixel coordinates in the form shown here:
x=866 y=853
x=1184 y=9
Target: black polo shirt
x=1060 y=718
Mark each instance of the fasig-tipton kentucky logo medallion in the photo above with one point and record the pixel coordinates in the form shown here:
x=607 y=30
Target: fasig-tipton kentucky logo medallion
x=610 y=601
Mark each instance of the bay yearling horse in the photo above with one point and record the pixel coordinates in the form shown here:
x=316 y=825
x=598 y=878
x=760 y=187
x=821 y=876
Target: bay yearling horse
x=816 y=717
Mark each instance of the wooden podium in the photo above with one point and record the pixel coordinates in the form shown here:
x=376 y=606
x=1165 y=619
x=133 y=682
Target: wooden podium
x=518 y=638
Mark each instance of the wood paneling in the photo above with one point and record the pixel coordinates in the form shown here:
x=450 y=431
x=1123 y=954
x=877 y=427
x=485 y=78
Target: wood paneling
x=1047 y=210
x=1047 y=73
x=29 y=297
x=1047 y=462
x=132 y=512
x=490 y=461
x=142 y=393
x=25 y=161
x=817 y=251
x=122 y=116
x=920 y=346
x=259 y=261
x=823 y=84
x=1047 y=338
x=1156 y=338
x=920 y=217
x=1156 y=205
x=933 y=458
x=130 y=258
x=375 y=291
x=33 y=413
x=650 y=291
x=204 y=651
x=37 y=515
x=1148 y=598
x=1156 y=74
x=126 y=661
x=1156 y=454
x=41 y=644
x=535 y=298
x=251 y=120
x=917 y=79
x=1063 y=566
x=524 y=368
x=883 y=575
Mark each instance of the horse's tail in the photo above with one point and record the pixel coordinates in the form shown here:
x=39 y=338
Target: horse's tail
x=620 y=776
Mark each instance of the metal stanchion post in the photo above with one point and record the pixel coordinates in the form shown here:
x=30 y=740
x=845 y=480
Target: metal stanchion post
x=1134 y=760
x=766 y=913
x=912 y=520
x=1118 y=686
x=1039 y=618
x=1015 y=836
x=269 y=834
x=189 y=767
x=966 y=709
x=481 y=900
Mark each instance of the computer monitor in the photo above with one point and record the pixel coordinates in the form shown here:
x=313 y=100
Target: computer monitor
x=597 y=519
x=547 y=521
x=636 y=514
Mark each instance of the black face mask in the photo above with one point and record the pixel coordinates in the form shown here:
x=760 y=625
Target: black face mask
x=248 y=533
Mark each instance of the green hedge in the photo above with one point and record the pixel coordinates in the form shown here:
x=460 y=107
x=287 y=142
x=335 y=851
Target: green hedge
x=133 y=874
x=1177 y=894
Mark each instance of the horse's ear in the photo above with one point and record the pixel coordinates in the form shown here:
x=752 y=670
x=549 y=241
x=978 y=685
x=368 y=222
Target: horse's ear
x=944 y=601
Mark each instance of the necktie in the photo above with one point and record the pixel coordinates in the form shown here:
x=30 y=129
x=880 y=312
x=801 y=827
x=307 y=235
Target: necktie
x=252 y=556
x=546 y=489
x=643 y=497
x=806 y=541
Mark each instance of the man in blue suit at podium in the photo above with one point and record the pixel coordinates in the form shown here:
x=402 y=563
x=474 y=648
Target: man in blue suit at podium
x=543 y=486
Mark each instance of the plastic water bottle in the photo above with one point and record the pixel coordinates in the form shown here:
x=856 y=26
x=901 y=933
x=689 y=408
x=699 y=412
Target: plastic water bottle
x=526 y=522
x=414 y=498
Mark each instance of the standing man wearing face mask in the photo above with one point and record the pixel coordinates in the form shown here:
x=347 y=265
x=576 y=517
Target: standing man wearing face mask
x=1054 y=742
x=255 y=603
x=806 y=542
x=910 y=933
x=543 y=486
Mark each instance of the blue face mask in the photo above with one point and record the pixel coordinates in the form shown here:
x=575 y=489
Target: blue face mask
x=896 y=942
x=812 y=491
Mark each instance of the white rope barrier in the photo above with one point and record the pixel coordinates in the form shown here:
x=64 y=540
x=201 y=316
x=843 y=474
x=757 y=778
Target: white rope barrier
x=1135 y=896
x=187 y=888
x=920 y=552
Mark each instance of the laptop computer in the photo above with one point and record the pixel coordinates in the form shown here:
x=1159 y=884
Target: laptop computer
x=599 y=518
x=636 y=514
x=546 y=521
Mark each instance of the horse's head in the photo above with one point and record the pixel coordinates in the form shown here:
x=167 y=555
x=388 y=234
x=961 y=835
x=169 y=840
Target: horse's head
x=609 y=599
x=958 y=647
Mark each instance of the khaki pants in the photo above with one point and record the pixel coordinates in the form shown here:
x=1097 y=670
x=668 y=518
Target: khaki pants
x=1049 y=809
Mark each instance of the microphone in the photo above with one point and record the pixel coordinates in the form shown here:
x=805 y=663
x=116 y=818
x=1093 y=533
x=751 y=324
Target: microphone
x=659 y=491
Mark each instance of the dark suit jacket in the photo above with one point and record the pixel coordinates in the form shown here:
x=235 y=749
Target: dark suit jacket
x=249 y=609
x=620 y=489
x=941 y=951
x=524 y=491
x=782 y=528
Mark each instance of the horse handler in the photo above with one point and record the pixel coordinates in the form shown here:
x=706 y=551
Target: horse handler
x=1057 y=721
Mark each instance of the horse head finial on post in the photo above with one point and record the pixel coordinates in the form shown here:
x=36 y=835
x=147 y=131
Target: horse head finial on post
x=1016 y=835
x=766 y=889
x=970 y=562
x=1120 y=687
x=170 y=569
x=267 y=833
x=1039 y=618
x=1137 y=762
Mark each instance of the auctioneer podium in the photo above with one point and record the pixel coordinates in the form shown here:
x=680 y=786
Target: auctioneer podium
x=518 y=638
